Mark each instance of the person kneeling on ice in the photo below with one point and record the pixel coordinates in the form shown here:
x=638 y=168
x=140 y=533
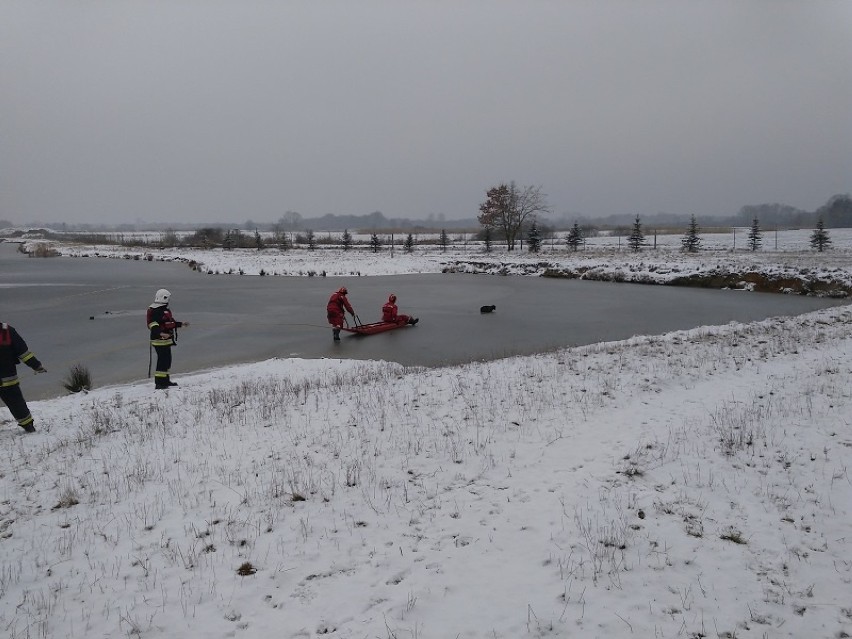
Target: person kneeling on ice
x=390 y=313
x=336 y=309
x=163 y=325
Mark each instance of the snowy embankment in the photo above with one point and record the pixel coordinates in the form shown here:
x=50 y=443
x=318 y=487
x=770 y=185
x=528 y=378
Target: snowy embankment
x=776 y=273
x=789 y=266
x=688 y=485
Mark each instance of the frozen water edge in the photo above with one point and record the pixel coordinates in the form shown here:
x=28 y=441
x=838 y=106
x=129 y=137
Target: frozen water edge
x=793 y=267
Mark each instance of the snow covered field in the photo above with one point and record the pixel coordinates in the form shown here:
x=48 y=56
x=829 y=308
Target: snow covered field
x=694 y=484
x=603 y=258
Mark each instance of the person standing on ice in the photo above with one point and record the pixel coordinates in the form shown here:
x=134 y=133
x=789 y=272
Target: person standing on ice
x=163 y=327
x=13 y=349
x=336 y=309
x=390 y=313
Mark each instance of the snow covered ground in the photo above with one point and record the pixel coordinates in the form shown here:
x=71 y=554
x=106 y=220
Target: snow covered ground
x=786 y=258
x=694 y=484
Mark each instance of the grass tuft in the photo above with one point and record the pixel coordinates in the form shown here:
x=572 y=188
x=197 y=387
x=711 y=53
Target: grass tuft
x=734 y=535
x=79 y=379
x=67 y=499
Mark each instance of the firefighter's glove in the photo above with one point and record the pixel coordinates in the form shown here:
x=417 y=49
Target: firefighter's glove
x=184 y=324
x=41 y=369
x=164 y=336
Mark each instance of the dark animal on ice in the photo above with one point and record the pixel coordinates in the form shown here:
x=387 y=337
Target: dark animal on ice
x=487 y=309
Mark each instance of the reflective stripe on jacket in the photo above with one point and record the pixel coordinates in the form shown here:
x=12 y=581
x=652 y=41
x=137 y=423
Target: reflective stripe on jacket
x=160 y=321
x=13 y=350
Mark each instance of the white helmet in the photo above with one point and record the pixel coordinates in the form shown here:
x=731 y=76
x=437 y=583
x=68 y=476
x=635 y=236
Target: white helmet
x=162 y=297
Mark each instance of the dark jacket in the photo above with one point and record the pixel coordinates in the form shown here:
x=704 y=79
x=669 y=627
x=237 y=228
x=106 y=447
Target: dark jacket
x=13 y=350
x=161 y=322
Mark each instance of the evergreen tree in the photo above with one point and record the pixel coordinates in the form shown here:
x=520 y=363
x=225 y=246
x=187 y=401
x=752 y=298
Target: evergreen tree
x=408 y=245
x=346 y=240
x=755 y=237
x=533 y=239
x=486 y=238
x=690 y=242
x=311 y=239
x=636 y=240
x=375 y=243
x=258 y=241
x=575 y=237
x=444 y=240
x=819 y=238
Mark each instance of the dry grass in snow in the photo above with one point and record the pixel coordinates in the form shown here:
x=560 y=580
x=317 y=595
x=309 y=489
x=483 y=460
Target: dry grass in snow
x=694 y=484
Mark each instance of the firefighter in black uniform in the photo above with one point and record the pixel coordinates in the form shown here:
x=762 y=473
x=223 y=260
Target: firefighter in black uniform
x=163 y=336
x=13 y=349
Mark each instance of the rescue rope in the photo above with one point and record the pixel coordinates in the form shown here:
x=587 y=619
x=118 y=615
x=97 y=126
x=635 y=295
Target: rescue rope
x=64 y=363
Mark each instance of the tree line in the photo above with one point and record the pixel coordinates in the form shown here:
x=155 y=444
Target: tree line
x=509 y=211
x=835 y=213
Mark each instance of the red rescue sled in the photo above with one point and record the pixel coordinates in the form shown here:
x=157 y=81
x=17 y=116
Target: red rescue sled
x=372 y=328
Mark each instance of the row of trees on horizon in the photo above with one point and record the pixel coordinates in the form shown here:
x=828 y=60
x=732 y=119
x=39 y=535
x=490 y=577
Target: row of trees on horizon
x=835 y=213
x=495 y=229
x=820 y=239
x=510 y=211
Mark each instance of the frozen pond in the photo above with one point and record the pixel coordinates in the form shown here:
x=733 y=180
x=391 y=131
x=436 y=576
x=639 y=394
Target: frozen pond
x=242 y=318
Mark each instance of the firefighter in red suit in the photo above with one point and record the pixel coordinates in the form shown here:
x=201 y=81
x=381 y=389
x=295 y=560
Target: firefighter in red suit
x=336 y=309
x=162 y=325
x=390 y=313
x=13 y=349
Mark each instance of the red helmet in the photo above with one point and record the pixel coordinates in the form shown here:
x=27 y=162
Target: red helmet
x=342 y=290
x=392 y=298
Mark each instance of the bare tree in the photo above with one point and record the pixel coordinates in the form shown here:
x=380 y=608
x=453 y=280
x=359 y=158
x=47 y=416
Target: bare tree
x=508 y=207
x=291 y=220
x=494 y=211
x=169 y=239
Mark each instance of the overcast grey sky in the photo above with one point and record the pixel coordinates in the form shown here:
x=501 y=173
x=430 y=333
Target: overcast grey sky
x=113 y=111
